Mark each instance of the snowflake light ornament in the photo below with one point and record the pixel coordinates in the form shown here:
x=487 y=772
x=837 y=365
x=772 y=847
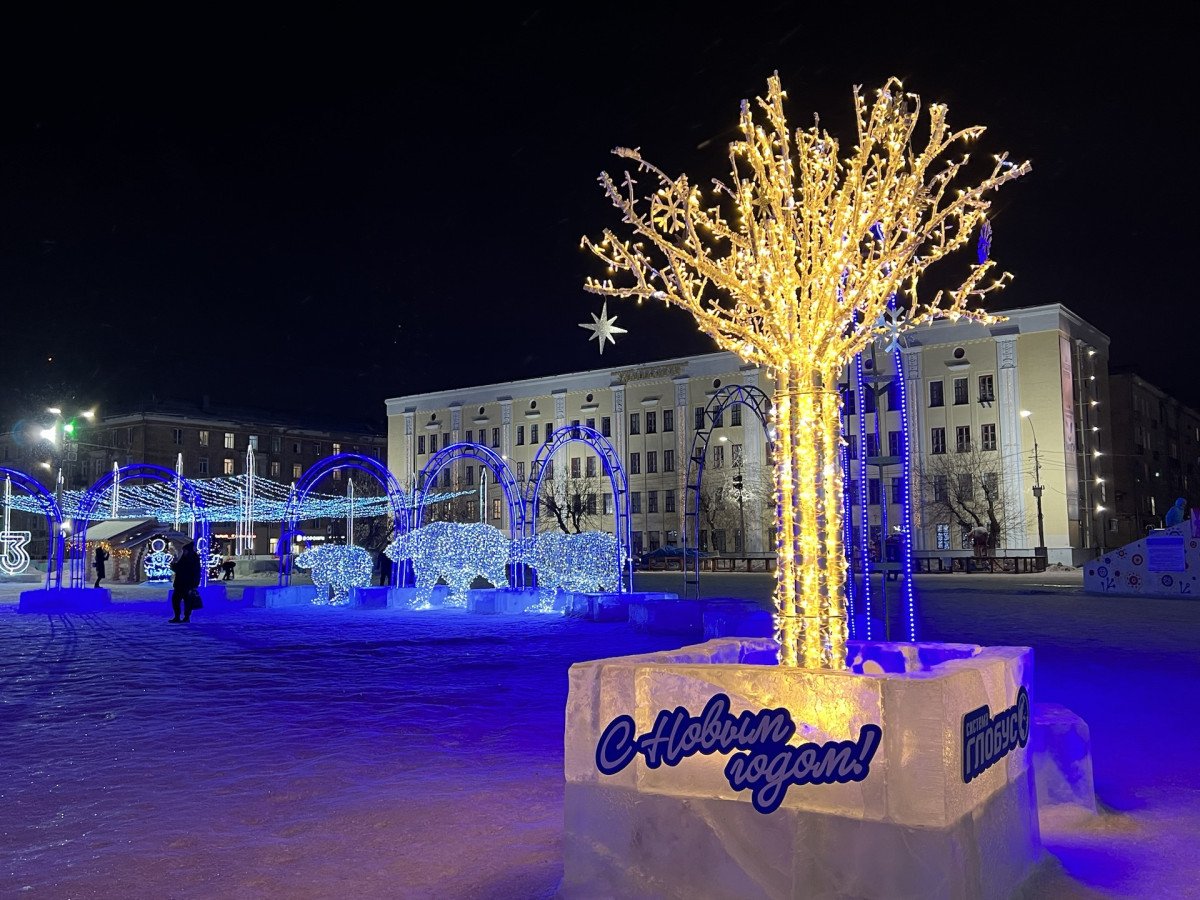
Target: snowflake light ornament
x=891 y=322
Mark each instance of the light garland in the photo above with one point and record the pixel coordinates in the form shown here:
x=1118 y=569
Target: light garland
x=157 y=563
x=575 y=562
x=14 y=558
x=455 y=552
x=337 y=567
x=798 y=283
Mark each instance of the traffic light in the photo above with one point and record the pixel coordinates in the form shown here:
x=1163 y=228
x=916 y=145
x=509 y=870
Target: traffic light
x=737 y=480
x=69 y=428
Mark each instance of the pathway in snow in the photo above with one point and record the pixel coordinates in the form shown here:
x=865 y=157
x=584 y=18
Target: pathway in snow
x=334 y=753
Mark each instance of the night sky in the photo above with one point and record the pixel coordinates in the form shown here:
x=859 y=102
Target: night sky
x=318 y=214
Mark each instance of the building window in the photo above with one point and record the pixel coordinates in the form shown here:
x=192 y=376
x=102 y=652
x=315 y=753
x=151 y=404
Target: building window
x=653 y=540
x=635 y=423
x=606 y=426
x=421 y=444
x=893 y=396
x=699 y=418
x=446 y=477
x=635 y=464
x=850 y=403
x=962 y=438
x=533 y=431
x=938 y=440
x=445 y=441
x=868 y=400
x=652 y=501
x=960 y=391
x=735 y=415
x=718 y=418
x=986 y=391
x=852 y=491
x=548 y=469
x=893 y=443
x=496 y=509
x=520 y=435
x=336 y=448
x=635 y=501
x=295 y=470
x=317 y=448
x=549 y=435
x=575 y=428
x=987 y=436
x=943 y=537
x=737 y=460
x=276 y=443
x=470 y=436
x=852 y=446
x=939 y=489
x=668 y=460
x=651 y=422
x=470 y=475
x=229 y=440
x=296 y=448
x=873 y=491
x=608 y=505
x=433 y=443
x=254 y=442
x=896 y=491
x=274 y=468
x=591 y=423
x=669 y=501
x=718 y=456
x=936 y=398
x=590 y=468
x=176 y=435
x=651 y=462
x=872 y=448
x=966 y=488
x=576 y=467
x=718 y=539
x=991 y=485
x=227 y=465
x=590 y=504
x=669 y=420
x=337 y=474
x=203 y=438
x=203 y=465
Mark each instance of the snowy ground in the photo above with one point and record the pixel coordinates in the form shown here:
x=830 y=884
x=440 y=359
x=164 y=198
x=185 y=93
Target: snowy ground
x=339 y=753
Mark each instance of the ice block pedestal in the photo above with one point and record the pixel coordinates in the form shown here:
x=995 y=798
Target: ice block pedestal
x=712 y=772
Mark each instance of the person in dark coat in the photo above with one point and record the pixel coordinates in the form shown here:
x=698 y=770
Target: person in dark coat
x=187 y=579
x=98 y=562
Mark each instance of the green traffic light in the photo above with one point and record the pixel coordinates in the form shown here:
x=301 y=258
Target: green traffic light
x=69 y=428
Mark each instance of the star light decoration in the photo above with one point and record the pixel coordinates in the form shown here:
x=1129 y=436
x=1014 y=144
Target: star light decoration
x=791 y=264
x=602 y=327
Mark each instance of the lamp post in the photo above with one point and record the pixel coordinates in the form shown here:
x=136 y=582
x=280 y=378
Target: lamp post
x=1040 y=549
x=70 y=442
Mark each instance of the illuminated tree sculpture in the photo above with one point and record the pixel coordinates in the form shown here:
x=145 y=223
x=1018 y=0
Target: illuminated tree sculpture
x=804 y=273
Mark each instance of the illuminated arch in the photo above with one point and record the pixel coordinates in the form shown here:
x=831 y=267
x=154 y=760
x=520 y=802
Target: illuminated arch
x=570 y=434
x=310 y=479
x=189 y=492
x=758 y=403
x=54 y=521
x=504 y=477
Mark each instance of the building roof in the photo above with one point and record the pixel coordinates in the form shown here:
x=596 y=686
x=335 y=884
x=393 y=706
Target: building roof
x=168 y=409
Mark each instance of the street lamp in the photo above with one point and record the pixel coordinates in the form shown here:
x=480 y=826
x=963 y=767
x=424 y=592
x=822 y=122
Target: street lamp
x=1040 y=549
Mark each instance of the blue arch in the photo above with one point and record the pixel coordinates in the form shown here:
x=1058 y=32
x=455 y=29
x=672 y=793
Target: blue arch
x=504 y=476
x=570 y=434
x=319 y=470
x=54 y=521
x=730 y=395
x=144 y=472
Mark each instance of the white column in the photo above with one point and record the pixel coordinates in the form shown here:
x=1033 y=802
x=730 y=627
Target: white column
x=914 y=395
x=506 y=448
x=755 y=468
x=683 y=444
x=1008 y=399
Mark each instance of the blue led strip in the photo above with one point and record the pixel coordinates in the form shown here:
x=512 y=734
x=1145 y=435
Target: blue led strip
x=603 y=448
x=864 y=546
x=906 y=510
x=45 y=504
x=91 y=501
x=848 y=528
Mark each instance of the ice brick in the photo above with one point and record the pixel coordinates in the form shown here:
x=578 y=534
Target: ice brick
x=1062 y=761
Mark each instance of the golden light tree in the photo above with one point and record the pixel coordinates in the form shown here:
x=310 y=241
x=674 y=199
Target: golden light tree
x=798 y=263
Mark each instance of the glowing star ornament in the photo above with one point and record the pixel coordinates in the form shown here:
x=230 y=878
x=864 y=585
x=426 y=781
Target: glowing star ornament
x=602 y=327
x=790 y=264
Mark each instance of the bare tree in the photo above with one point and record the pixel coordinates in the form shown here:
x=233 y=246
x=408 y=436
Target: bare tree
x=965 y=489
x=572 y=504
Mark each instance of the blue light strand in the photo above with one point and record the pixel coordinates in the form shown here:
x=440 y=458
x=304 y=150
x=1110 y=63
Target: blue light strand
x=864 y=539
x=906 y=510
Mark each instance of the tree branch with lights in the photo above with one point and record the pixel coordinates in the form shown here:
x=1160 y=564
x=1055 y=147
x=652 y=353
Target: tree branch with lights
x=797 y=263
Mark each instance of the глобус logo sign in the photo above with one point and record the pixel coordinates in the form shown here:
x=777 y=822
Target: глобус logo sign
x=767 y=766
x=987 y=740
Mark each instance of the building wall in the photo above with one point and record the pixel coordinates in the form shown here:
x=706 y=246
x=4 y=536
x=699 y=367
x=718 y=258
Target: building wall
x=1045 y=360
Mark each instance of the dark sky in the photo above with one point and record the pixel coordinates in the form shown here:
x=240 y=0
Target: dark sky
x=322 y=213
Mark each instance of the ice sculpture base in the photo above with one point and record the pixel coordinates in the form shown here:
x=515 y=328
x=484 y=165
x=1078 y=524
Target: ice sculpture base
x=492 y=601
x=609 y=607
x=433 y=597
x=913 y=828
x=662 y=615
x=64 y=600
x=1062 y=766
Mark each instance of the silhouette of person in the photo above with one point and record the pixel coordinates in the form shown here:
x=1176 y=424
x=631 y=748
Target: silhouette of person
x=187 y=579
x=1175 y=513
x=227 y=567
x=101 y=557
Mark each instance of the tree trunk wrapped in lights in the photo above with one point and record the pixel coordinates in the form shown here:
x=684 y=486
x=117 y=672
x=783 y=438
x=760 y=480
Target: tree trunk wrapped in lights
x=820 y=256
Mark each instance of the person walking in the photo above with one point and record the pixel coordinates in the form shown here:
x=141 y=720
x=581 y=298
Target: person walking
x=98 y=561
x=187 y=580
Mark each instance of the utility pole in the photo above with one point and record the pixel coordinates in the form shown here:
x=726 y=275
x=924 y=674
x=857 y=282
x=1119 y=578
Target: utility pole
x=739 y=486
x=1040 y=549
